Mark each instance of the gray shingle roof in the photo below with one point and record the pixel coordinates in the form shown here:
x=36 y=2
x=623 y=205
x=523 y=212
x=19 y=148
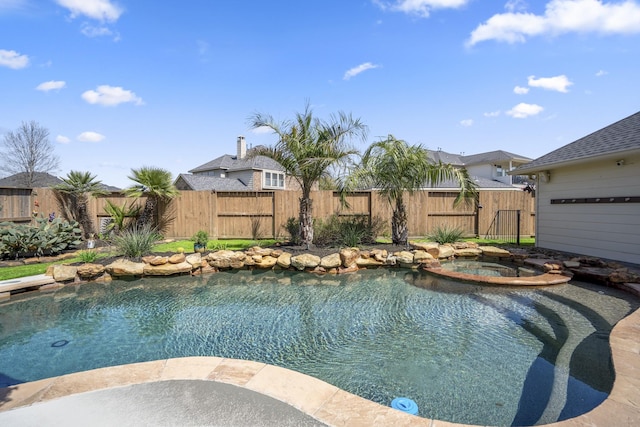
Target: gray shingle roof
x=621 y=136
x=40 y=179
x=493 y=156
x=203 y=182
x=444 y=157
x=232 y=163
x=482 y=183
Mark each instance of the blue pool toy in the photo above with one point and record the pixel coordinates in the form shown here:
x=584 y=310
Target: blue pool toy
x=405 y=405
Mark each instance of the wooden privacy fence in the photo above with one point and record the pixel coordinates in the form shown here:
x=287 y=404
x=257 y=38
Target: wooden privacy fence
x=243 y=214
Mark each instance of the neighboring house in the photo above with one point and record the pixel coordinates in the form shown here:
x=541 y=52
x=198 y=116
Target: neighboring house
x=241 y=172
x=588 y=194
x=41 y=180
x=21 y=180
x=489 y=170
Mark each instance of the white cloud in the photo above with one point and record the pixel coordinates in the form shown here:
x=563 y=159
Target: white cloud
x=93 y=31
x=419 y=7
x=519 y=90
x=90 y=137
x=51 y=85
x=601 y=73
x=560 y=17
x=557 y=83
x=12 y=59
x=359 y=69
x=101 y=10
x=522 y=110
x=466 y=122
x=492 y=114
x=515 y=5
x=111 y=96
x=62 y=139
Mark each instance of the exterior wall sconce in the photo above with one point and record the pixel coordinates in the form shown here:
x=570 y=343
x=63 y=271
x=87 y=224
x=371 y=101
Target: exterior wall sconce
x=620 y=162
x=545 y=176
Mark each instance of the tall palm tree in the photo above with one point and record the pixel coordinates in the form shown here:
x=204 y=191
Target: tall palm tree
x=307 y=148
x=394 y=167
x=157 y=185
x=73 y=197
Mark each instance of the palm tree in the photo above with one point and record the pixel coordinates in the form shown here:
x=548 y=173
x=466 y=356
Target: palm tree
x=157 y=185
x=394 y=167
x=73 y=197
x=307 y=148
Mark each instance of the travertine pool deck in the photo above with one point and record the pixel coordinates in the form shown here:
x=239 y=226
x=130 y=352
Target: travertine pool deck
x=325 y=403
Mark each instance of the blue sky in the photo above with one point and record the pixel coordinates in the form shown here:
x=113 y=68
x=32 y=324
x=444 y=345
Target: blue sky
x=122 y=84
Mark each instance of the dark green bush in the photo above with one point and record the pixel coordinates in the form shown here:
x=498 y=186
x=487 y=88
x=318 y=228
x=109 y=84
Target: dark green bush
x=293 y=228
x=445 y=234
x=45 y=238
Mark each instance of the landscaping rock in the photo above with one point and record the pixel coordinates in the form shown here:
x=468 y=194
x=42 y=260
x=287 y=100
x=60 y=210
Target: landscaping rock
x=444 y=251
x=331 y=261
x=266 y=262
x=467 y=252
x=167 y=269
x=368 y=262
x=348 y=256
x=64 y=273
x=178 y=258
x=284 y=260
x=89 y=270
x=404 y=258
x=304 y=261
x=492 y=251
x=124 y=267
x=421 y=256
x=194 y=259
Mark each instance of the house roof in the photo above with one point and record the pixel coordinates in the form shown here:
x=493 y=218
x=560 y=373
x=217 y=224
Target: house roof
x=619 y=137
x=40 y=179
x=481 y=183
x=232 y=163
x=444 y=157
x=203 y=182
x=493 y=156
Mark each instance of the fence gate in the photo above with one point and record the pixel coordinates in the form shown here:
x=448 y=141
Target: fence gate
x=505 y=226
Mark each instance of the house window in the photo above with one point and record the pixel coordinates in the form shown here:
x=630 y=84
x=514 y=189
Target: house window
x=499 y=171
x=273 y=180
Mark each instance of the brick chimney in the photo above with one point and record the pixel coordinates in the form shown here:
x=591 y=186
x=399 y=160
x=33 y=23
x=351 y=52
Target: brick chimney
x=242 y=147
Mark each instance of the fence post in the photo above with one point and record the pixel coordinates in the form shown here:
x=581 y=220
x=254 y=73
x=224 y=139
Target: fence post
x=518 y=228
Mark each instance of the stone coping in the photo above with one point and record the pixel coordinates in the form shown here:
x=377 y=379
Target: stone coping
x=321 y=400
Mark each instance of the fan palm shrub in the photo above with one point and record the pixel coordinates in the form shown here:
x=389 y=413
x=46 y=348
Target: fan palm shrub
x=73 y=195
x=157 y=185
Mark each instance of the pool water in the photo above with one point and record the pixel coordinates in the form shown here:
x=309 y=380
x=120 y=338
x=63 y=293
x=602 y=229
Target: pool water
x=462 y=352
x=489 y=269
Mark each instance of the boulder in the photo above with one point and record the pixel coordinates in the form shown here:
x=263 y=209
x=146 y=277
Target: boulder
x=404 y=258
x=226 y=259
x=467 y=252
x=124 y=267
x=444 y=251
x=368 y=262
x=64 y=273
x=331 y=261
x=351 y=269
x=89 y=270
x=167 y=269
x=258 y=250
x=348 y=256
x=284 y=260
x=178 y=258
x=266 y=262
x=155 y=259
x=420 y=257
x=194 y=259
x=304 y=261
x=379 y=254
x=492 y=251
x=424 y=246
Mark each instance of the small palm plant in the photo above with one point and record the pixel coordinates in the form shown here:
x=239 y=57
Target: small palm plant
x=156 y=185
x=73 y=197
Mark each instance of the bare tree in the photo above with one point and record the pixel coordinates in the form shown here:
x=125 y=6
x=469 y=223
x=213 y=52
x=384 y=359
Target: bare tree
x=28 y=150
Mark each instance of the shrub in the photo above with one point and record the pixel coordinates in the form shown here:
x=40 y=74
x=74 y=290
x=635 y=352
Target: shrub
x=88 y=256
x=445 y=234
x=293 y=228
x=45 y=238
x=135 y=242
x=201 y=238
x=346 y=231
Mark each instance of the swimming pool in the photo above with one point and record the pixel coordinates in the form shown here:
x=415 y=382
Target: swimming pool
x=464 y=353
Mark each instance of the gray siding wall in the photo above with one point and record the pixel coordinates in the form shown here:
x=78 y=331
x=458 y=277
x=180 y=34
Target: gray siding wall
x=607 y=230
